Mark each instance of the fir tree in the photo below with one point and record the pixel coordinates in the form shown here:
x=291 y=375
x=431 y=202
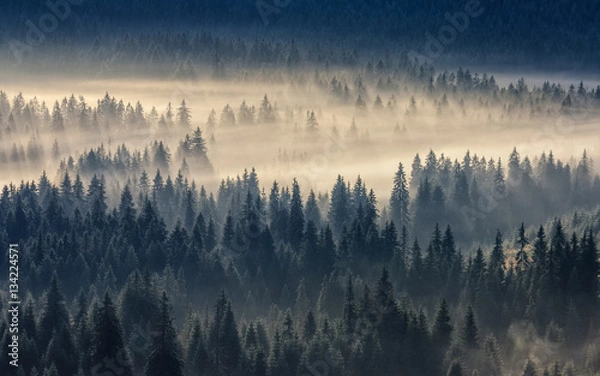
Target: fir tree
x=350 y=311
x=400 y=199
x=183 y=116
x=295 y=227
x=164 y=354
x=107 y=340
x=442 y=329
x=469 y=333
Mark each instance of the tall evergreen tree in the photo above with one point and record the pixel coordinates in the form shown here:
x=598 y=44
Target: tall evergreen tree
x=400 y=199
x=295 y=227
x=107 y=340
x=442 y=330
x=469 y=333
x=54 y=315
x=521 y=257
x=164 y=356
x=183 y=116
x=339 y=208
x=350 y=311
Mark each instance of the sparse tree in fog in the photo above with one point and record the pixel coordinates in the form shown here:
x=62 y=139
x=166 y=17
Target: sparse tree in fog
x=227 y=117
x=161 y=157
x=58 y=122
x=184 y=116
x=312 y=125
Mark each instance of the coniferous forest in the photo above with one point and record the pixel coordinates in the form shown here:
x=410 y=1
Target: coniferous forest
x=296 y=188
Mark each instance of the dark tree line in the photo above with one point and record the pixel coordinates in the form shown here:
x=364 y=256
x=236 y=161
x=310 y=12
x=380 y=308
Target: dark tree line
x=326 y=281
x=516 y=27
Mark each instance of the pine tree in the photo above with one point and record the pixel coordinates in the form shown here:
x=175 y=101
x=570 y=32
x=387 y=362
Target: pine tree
x=521 y=257
x=311 y=211
x=197 y=144
x=164 y=354
x=227 y=117
x=309 y=327
x=161 y=157
x=60 y=351
x=540 y=249
x=197 y=356
x=265 y=111
x=228 y=231
x=259 y=366
x=469 y=333
x=588 y=269
x=310 y=251
x=107 y=340
x=58 y=122
x=339 y=207
x=327 y=252
x=183 y=116
x=302 y=304
x=54 y=314
x=499 y=183
x=312 y=125
x=442 y=329
x=224 y=341
x=461 y=189
x=400 y=199
x=423 y=212
x=493 y=356
x=295 y=226
x=211 y=235
x=231 y=348
x=350 y=312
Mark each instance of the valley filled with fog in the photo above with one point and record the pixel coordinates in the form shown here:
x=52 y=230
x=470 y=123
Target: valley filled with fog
x=200 y=189
x=285 y=149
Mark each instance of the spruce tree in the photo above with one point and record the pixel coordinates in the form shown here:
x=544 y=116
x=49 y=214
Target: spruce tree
x=588 y=269
x=400 y=199
x=107 y=340
x=295 y=226
x=183 y=116
x=311 y=211
x=164 y=357
x=521 y=257
x=469 y=333
x=61 y=350
x=54 y=314
x=230 y=341
x=309 y=327
x=442 y=329
x=350 y=312
x=339 y=208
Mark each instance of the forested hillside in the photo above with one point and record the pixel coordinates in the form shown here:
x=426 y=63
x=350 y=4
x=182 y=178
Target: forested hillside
x=502 y=31
x=299 y=188
x=299 y=285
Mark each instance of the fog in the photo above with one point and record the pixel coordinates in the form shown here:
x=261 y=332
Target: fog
x=311 y=125
x=384 y=137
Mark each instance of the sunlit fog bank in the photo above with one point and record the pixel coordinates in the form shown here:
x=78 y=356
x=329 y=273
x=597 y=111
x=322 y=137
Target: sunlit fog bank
x=393 y=123
x=285 y=188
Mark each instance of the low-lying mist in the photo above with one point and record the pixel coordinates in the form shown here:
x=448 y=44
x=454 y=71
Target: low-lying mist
x=347 y=140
